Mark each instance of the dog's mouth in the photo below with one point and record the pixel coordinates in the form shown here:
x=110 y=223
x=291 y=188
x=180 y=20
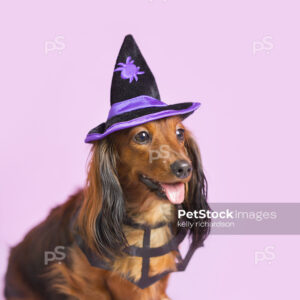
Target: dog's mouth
x=174 y=192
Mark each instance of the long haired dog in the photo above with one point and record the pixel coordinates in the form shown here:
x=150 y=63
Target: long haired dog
x=123 y=180
x=117 y=239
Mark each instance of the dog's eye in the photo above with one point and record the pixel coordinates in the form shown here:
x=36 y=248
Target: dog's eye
x=180 y=134
x=142 y=137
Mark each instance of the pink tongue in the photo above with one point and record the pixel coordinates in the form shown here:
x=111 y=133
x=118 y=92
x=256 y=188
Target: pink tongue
x=174 y=192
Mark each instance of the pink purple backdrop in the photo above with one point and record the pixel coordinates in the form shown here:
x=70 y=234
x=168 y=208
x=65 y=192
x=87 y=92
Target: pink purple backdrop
x=240 y=59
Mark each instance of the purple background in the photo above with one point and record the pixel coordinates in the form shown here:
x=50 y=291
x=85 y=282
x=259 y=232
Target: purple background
x=247 y=127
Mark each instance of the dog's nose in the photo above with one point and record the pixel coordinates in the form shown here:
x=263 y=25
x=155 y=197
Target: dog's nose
x=181 y=168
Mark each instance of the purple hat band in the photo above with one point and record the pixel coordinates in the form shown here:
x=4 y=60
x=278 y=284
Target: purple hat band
x=134 y=104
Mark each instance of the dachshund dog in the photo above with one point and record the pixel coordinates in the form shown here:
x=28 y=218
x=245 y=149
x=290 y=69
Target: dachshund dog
x=141 y=173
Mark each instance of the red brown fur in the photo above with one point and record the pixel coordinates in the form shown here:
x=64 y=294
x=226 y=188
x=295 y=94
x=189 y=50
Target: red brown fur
x=74 y=278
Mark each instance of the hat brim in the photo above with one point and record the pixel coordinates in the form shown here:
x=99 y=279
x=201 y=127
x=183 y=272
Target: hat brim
x=138 y=117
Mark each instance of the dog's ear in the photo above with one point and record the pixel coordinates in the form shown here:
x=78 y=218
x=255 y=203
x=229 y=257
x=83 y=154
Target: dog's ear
x=101 y=217
x=197 y=191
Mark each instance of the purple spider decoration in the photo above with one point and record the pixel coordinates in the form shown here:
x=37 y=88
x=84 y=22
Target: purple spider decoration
x=129 y=70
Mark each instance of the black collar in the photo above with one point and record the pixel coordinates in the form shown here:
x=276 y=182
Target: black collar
x=145 y=252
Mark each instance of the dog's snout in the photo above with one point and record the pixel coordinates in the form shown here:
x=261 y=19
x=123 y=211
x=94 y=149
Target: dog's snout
x=181 y=168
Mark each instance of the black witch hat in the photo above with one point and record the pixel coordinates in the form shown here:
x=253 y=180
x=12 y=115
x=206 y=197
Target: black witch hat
x=134 y=95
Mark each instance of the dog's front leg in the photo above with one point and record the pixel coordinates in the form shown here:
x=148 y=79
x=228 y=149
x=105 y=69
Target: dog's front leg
x=122 y=289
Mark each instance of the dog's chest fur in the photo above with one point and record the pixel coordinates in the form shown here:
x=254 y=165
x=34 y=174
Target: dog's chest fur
x=158 y=211
x=85 y=282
